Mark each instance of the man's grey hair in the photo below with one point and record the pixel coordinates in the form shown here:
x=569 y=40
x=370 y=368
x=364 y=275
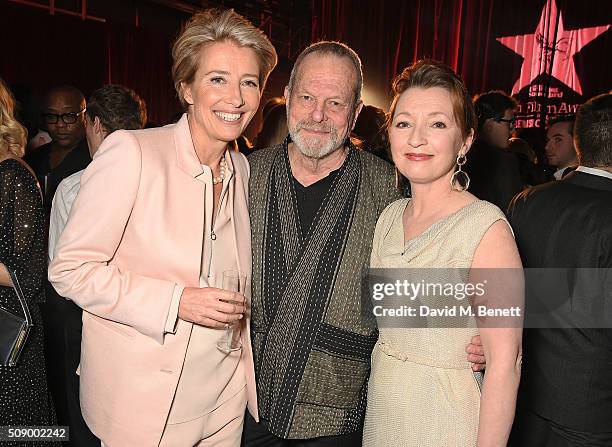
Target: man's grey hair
x=330 y=48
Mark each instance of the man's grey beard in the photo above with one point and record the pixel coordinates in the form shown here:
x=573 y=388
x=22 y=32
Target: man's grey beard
x=310 y=147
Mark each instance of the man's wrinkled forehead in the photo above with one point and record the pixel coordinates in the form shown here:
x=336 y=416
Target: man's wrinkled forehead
x=328 y=67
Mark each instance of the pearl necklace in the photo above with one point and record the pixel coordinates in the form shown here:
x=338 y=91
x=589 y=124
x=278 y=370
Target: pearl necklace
x=222 y=166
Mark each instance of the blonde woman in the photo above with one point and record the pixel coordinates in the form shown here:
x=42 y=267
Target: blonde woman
x=23 y=388
x=160 y=213
x=422 y=392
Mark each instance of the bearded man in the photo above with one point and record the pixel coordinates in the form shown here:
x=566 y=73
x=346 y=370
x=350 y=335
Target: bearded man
x=314 y=202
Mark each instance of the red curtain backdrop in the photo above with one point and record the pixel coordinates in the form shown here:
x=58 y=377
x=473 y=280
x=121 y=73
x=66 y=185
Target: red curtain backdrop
x=40 y=51
x=142 y=60
x=391 y=34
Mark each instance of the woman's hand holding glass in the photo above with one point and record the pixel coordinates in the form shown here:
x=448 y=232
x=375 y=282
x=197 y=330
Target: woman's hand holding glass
x=234 y=281
x=211 y=307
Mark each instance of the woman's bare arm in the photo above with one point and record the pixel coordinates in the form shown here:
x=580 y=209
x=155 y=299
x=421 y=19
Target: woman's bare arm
x=502 y=345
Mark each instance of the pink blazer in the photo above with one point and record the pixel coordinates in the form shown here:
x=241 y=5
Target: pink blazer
x=135 y=230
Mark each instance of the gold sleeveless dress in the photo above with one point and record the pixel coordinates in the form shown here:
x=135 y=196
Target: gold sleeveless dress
x=422 y=391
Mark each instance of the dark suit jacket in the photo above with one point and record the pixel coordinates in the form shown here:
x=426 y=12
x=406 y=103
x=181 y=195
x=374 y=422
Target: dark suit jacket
x=495 y=175
x=567 y=373
x=50 y=178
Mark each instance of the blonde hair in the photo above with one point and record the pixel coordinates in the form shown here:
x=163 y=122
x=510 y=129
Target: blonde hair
x=215 y=25
x=13 y=136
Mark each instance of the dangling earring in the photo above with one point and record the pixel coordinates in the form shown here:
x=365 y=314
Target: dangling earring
x=456 y=180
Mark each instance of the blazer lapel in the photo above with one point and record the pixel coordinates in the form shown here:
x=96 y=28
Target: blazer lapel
x=186 y=156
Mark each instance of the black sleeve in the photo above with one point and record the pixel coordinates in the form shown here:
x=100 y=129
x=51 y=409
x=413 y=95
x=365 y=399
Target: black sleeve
x=22 y=230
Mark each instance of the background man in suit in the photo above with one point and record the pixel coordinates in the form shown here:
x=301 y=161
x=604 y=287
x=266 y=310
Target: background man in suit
x=566 y=392
x=560 y=149
x=63 y=113
x=493 y=170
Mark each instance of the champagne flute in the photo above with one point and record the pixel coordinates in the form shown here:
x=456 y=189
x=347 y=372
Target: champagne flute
x=233 y=281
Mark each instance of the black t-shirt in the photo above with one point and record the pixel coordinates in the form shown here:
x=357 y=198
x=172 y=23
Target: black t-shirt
x=309 y=199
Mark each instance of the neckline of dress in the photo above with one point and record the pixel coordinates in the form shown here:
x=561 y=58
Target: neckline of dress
x=428 y=230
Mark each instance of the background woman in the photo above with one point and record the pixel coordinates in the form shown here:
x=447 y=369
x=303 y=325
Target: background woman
x=160 y=214
x=422 y=392
x=23 y=389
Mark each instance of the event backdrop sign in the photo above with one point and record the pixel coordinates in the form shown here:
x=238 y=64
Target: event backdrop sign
x=551 y=54
x=548 y=84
